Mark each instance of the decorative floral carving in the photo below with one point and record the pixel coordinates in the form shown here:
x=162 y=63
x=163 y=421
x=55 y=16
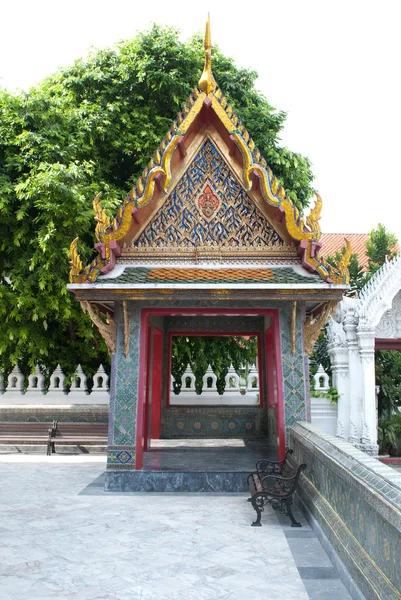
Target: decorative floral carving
x=106 y=326
x=313 y=325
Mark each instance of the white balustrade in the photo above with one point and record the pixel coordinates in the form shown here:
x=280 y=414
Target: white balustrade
x=15 y=383
x=188 y=380
x=79 y=389
x=100 y=390
x=237 y=391
x=57 y=378
x=321 y=380
x=324 y=414
x=253 y=379
x=209 y=381
x=232 y=380
x=36 y=383
x=36 y=393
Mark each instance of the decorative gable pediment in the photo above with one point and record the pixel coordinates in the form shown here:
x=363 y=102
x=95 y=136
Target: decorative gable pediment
x=208 y=209
x=232 y=204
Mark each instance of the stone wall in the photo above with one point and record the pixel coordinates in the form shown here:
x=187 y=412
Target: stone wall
x=355 y=503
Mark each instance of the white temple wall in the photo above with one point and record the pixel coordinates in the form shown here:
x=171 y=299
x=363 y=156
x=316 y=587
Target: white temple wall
x=352 y=330
x=238 y=392
x=13 y=392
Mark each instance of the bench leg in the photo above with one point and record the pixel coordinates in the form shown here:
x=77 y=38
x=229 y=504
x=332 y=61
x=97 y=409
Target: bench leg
x=294 y=523
x=257 y=503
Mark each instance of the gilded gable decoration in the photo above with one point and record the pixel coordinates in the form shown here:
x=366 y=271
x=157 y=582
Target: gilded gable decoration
x=208 y=203
x=112 y=235
x=218 y=214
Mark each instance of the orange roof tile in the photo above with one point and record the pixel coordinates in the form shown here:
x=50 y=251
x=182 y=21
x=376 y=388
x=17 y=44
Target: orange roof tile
x=333 y=242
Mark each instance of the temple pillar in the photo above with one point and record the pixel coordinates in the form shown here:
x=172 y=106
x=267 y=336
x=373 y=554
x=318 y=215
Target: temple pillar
x=355 y=381
x=366 y=342
x=338 y=352
x=121 y=449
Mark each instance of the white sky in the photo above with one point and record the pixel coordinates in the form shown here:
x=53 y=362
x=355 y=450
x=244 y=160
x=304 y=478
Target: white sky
x=333 y=66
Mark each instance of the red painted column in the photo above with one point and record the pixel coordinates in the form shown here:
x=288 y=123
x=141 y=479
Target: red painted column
x=157 y=371
x=279 y=386
x=142 y=384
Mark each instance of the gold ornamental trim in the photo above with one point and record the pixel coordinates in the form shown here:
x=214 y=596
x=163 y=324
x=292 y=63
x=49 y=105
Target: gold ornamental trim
x=160 y=167
x=314 y=324
x=207 y=82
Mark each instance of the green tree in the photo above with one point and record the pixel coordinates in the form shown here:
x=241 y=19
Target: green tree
x=93 y=127
x=388 y=378
x=380 y=247
x=219 y=352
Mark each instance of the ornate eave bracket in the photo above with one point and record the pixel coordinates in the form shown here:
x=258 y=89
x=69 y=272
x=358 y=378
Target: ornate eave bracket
x=106 y=326
x=314 y=324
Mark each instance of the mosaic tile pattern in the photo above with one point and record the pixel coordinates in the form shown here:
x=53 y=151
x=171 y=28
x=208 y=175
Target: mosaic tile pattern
x=357 y=502
x=124 y=396
x=276 y=275
x=66 y=414
x=215 y=323
x=123 y=401
x=236 y=221
x=293 y=370
x=212 y=421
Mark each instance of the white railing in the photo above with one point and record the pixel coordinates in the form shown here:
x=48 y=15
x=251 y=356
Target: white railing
x=238 y=390
x=323 y=412
x=57 y=393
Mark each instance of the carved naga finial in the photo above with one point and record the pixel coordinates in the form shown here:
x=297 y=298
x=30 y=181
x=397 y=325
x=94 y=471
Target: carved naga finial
x=207 y=82
x=103 y=221
x=75 y=260
x=344 y=261
x=339 y=273
x=313 y=219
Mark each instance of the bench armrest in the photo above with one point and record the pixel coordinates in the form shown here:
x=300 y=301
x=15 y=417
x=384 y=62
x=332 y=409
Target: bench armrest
x=272 y=466
x=280 y=483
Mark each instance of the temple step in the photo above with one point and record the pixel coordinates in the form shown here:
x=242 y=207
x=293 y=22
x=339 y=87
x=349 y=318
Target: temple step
x=176 y=481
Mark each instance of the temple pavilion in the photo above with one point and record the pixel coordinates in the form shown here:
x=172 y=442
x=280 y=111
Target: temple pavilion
x=207 y=242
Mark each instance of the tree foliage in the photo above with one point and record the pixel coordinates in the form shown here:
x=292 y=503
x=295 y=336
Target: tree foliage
x=380 y=247
x=217 y=351
x=93 y=127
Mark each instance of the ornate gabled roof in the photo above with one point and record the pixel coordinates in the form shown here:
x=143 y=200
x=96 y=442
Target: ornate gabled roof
x=203 y=105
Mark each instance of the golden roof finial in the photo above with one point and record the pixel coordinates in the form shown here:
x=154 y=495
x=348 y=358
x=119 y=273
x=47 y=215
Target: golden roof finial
x=207 y=82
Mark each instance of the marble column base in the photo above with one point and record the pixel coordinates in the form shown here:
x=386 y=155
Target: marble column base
x=173 y=481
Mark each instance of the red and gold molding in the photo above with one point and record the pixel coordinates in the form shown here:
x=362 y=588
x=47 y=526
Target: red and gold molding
x=306 y=234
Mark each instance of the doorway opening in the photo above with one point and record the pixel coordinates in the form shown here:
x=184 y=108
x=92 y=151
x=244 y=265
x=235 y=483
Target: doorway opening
x=201 y=389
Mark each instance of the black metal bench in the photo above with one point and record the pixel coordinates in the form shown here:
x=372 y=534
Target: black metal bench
x=76 y=434
x=275 y=487
x=273 y=467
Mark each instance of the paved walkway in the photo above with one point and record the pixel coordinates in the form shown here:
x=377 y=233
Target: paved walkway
x=62 y=537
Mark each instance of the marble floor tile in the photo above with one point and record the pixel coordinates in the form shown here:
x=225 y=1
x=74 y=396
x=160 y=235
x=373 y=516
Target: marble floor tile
x=56 y=541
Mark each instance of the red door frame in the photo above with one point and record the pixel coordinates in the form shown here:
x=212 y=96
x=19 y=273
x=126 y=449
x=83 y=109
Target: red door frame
x=157 y=372
x=145 y=433
x=258 y=335
x=143 y=354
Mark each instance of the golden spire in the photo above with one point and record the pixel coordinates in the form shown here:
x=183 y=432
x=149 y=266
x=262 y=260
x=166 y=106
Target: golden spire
x=207 y=82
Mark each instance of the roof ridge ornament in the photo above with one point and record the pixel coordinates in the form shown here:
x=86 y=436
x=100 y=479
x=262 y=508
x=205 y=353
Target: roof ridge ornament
x=207 y=82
